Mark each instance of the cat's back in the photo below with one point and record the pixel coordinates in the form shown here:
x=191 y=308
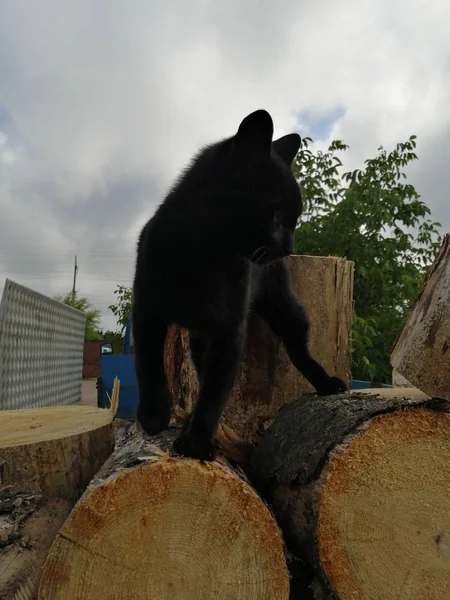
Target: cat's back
x=191 y=216
x=205 y=172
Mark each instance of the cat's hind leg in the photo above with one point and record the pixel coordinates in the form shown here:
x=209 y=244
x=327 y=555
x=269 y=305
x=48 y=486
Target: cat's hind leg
x=155 y=401
x=218 y=372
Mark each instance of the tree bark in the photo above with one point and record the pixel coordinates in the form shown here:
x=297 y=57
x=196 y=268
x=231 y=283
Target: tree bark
x=421 y=352
x=359 y=486
x=267 y=379
x=47 y=458
x=156 y=525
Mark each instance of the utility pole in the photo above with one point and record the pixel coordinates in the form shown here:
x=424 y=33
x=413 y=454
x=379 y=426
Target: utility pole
x=75 y=271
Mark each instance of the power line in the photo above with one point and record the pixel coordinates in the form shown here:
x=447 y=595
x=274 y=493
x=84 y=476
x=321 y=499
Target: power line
x=90 y=278
x=80 y=273
x=66 y=254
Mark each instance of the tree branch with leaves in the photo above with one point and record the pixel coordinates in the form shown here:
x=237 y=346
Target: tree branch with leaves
x=122 y=307
x=93 y=315
x=375 y=218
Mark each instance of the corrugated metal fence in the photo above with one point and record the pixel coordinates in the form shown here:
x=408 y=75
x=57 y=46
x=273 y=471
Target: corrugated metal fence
x=41 y=350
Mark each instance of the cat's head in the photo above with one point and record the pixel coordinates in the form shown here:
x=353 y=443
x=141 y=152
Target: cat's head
x=271 y=199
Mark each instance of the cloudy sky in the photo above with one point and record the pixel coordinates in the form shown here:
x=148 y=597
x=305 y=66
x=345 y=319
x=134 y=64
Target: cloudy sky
x=102 y=102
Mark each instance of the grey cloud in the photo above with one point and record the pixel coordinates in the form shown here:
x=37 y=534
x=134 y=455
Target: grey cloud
x=108 y=100
x=433 y=176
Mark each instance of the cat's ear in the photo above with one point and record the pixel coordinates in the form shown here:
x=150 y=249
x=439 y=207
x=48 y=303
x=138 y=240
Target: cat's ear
x=287 y=147
x=254 y=136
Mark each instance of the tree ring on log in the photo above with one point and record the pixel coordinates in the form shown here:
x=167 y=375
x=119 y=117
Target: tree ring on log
x=38 y=425
x=171 y=528
x=383 y=522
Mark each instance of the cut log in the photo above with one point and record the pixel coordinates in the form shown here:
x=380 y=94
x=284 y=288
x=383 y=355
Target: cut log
x=267 y=379
x=399 y=381
x=421 y=353
x=360 y=487
x=155 y=526
x=396 y=392
x=47 y=458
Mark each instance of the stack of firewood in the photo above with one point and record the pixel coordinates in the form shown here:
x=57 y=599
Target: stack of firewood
x=343 y=497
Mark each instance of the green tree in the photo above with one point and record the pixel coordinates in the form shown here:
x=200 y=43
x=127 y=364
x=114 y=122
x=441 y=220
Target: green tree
x=92 y=314
x=122 y=308
x=375 y=218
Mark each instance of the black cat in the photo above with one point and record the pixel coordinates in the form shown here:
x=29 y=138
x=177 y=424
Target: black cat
x=213 y=251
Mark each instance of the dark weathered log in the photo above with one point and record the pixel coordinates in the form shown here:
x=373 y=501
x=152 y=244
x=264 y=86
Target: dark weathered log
x=47 y=458
x=359 y=485
x=267 y=379
x=421 y=354
x=156 y=525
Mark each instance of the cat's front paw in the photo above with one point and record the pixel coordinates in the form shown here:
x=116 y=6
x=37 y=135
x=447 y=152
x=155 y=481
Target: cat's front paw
x=194 y=446
x=331 y=386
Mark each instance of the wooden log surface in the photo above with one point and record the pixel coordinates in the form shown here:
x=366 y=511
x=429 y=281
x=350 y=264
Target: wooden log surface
x=360 y=486
x=421 y=354
x=47 y=458
x=156 y=525
x=267 y=379
x=394 y=392
x=399 y=381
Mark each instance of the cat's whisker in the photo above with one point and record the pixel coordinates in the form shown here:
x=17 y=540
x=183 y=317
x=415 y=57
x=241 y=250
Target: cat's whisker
x=252 y=255
x=256 y=255
x=262 y=256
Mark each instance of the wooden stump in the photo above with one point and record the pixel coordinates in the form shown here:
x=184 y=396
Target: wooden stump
x=267 y=379
x=360 y=486
x=155 y=526
x=421 y=353
x=180 y=371
x=47 y=458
